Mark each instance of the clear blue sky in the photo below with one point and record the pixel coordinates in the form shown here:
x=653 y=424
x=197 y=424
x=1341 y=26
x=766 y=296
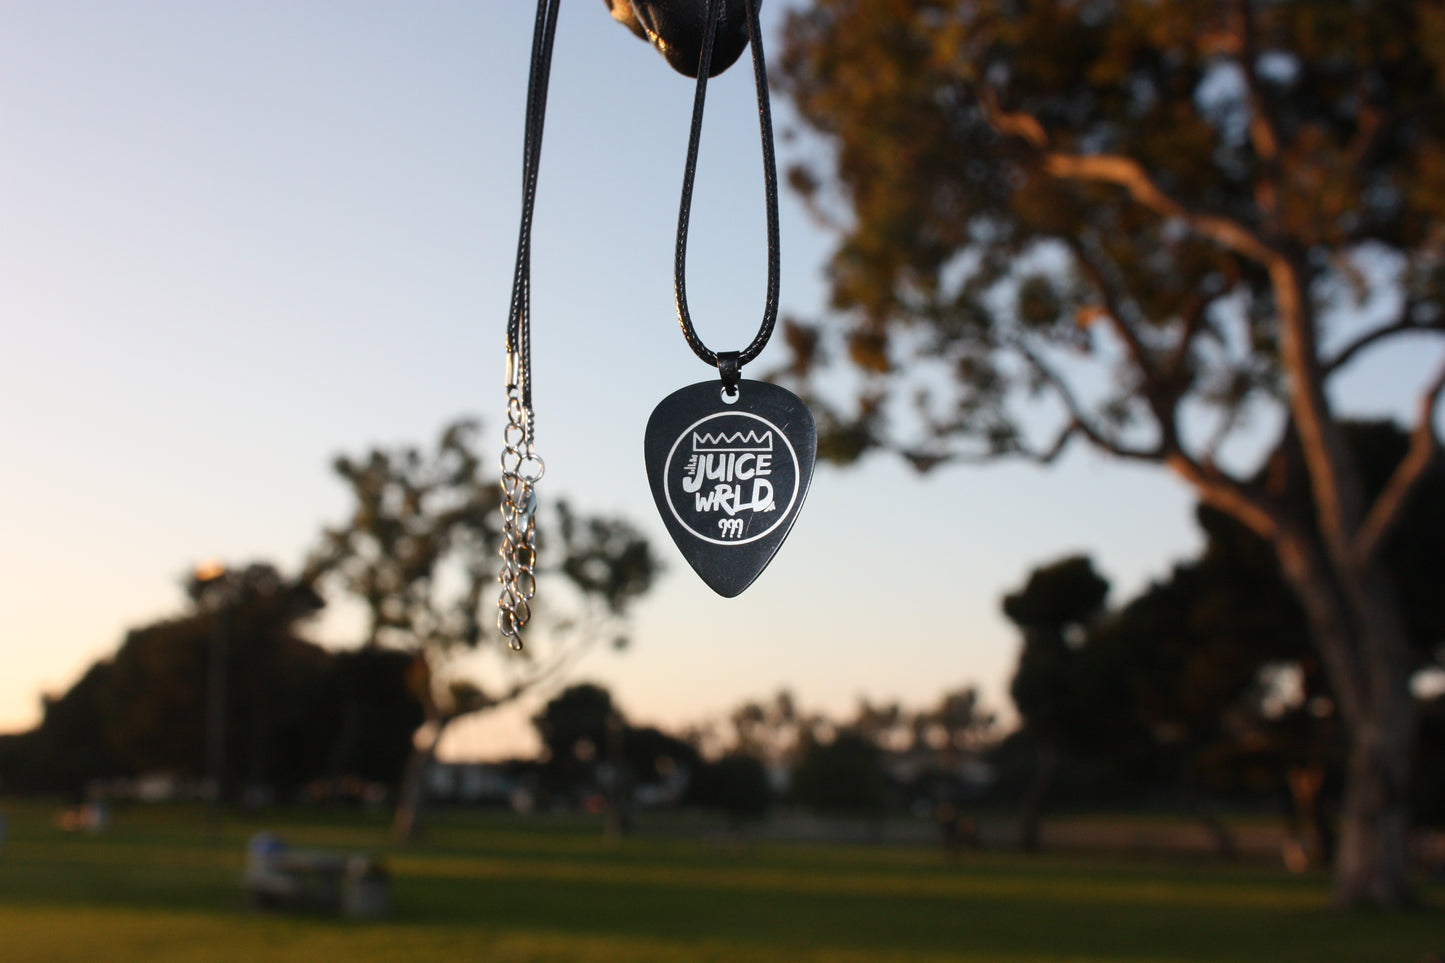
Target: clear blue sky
x=237 y=239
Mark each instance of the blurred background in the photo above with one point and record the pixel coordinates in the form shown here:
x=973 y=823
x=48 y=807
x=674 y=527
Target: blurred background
x=256 y=265
x=242 y=243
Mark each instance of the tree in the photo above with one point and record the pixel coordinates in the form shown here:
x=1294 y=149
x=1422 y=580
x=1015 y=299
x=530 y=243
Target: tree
x=1188 y=672
x=579 y=727
x=736 y=783
x=1207 y=641
x=379 y=714
x=419 y=551
x=590 y=746
x=1139 y=220
x=1055 y=610
x=294 y=712
x=63 y=753
x=843 y=774
x=774 y=730
x=961 y=722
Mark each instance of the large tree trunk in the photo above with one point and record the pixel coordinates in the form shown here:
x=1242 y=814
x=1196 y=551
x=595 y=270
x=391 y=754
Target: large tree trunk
x=1358 y=629
x=1353 y=612
x=1371 y=866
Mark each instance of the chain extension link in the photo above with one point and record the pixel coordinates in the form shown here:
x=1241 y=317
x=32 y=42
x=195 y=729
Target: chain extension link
x=521 y=470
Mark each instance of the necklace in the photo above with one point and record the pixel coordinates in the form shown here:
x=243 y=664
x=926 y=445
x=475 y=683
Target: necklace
x=729 y=462
x=521 y=466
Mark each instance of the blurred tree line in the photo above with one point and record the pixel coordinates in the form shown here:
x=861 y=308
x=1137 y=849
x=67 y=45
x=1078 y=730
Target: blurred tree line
x=884 y=759
x=1203 y=689
x=296 y=712
x=1205 y=685
x=232 y=693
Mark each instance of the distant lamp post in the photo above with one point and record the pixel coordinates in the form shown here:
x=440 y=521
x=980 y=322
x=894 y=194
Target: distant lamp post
x=209 y=572
x=212 y=593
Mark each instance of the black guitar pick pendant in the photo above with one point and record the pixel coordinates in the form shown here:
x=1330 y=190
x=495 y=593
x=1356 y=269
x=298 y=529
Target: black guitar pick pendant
x=729 y=472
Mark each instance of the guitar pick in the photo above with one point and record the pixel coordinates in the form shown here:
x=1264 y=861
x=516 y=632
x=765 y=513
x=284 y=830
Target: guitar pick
x=729 y=472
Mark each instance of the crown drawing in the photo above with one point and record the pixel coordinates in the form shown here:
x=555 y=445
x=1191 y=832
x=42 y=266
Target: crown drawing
x=736 y=441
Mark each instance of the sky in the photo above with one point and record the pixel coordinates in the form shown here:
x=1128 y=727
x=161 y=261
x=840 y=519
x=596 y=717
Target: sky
x=237 y=240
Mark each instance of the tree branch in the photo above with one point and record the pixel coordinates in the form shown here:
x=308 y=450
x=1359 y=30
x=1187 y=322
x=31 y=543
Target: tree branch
x=1263 y=131
x=1113 y=307
x=1227 y=494
x=1227 y=423
x=1163 y=400
x=1402 y=326
x=1019 y=124
x=1214 y=487
x=1193 y=323
x=1329 y=464
x=1126 y=172
x=924 y=460
x=1079 y=419
x=1388 y=508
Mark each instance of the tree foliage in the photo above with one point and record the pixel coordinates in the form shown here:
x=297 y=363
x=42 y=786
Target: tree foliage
x=736 y=783
x=589 y=747
x=295 y=712
x=841 y=775
x=1054 y=690
x=1032 y=181
x=419 y=551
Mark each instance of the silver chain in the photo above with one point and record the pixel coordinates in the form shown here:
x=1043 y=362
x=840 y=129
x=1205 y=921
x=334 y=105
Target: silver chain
x=521 y=470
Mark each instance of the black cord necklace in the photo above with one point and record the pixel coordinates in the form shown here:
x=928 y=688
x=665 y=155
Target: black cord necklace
x=729 y=464
x=770 y=190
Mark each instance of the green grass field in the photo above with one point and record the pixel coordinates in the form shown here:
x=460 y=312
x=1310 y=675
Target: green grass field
x=497 y=889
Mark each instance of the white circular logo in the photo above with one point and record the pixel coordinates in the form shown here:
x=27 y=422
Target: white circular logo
x=731 y=478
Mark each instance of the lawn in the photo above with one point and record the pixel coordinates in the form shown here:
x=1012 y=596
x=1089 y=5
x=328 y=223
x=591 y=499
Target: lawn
x=498 y=889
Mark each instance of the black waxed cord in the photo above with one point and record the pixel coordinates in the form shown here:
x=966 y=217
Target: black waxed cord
x=715 y=11
x=519 y=327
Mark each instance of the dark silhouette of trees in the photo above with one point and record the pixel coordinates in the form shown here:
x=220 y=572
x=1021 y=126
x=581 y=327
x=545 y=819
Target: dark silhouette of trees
x=419 y=551
x=590 y=749
x=1180 y=687
x=66 y=751
x=771 y=729
x=843 y=774
x=379 y=714
x=735 y=783
x=1429 y=800
x=294 y=711
x=574 y=728
x=1056 y=685
x=1137 y=220
x=885 y=756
